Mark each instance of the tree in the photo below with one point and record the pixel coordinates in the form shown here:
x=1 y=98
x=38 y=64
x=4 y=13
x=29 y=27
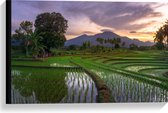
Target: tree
x=23 y=33
x=111 y=41
x=26 y=27
x=165 y=33
x=86 y=44
x=97 y=49
x=161 y=36
x=100 y=40
x=105 y=41
x=117 y=42
x=72 y=47
x=36 y=47
x=133 y=46
x=51 y=27
x=159 y=45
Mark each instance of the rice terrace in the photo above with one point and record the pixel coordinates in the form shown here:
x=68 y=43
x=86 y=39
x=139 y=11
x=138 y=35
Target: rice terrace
x=49 y=67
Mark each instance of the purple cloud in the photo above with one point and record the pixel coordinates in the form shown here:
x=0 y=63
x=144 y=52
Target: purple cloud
x=115 y=15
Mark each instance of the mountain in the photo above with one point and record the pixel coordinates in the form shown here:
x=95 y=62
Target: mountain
x=105 y=35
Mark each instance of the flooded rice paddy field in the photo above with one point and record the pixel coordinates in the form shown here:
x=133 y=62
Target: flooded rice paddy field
x=42 y=85
x=52 y=86
x=127 y=89
x=124 y=89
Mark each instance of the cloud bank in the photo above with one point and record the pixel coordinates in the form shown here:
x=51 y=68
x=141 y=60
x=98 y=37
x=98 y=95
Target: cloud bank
x=90 y=17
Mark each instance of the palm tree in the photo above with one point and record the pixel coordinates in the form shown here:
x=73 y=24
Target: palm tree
x=36 y=46
x=111 y=41
x=86 y=44
x=117 y=42
x=27 y=42
x=105 y=41
x=23 y=33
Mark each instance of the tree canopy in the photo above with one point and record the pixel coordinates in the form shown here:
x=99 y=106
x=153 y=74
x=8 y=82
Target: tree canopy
x=51 y=27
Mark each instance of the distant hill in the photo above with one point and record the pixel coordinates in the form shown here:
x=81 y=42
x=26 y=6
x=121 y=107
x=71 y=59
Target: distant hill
x=106 y=35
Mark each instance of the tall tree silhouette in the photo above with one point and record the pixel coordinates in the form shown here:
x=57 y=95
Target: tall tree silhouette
x=161 y=35
x=51 y=27
x=23 y=33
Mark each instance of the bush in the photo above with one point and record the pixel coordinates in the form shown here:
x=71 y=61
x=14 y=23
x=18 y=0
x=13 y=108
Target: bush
x=72 y=47
x=143 y=48
x=55 y=52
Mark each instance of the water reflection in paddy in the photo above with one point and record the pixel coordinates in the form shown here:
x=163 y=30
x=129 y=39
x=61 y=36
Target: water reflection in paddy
x=81 y=88
x=77 y=86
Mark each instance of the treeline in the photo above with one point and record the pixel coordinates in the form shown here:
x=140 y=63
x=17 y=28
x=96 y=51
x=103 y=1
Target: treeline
x=100 y=48
x=115 y=43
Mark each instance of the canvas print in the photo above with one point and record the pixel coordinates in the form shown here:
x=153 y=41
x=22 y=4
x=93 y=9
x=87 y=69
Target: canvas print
x=88 y=52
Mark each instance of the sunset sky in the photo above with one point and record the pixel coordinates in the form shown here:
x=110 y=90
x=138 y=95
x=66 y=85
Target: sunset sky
x=135 y=20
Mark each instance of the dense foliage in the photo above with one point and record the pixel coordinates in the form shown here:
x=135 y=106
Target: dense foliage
x=161 y=36
x=51 y=27
x=48 y=34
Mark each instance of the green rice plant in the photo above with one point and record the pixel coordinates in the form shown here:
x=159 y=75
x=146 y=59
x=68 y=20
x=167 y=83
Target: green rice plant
x=113 y=75
x=159 y=71
x=132 y=90
x=77 y=86
x=42 y=82
x=103 y=68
